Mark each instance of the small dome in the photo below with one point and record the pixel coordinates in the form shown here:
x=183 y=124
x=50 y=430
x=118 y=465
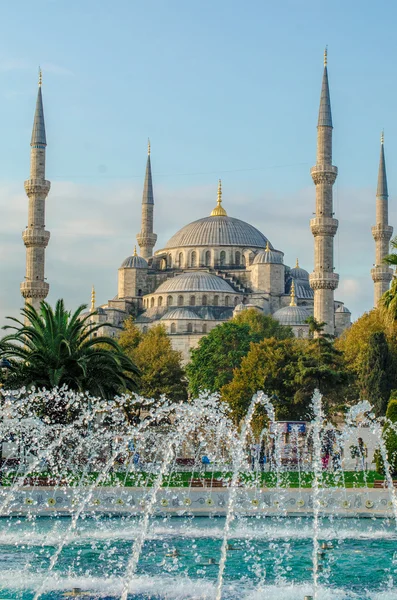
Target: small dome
x=181 y=313
x=291 y=315
x=269 y=256
x=134 y=262
x=196 y=281
x=298 y=273
x=343 y=309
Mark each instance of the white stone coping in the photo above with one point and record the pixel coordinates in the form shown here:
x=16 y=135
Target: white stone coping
x=352 y=502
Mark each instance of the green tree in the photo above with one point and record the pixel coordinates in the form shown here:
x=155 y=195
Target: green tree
x=321 y=365
x=221 y=351
x=271 y=366
x=379 y=372
x=160 y=366
x=52 y=348
x=390 y=437
x=262 y=326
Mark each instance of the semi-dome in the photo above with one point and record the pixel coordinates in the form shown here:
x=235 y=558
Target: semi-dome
x=291 y=315
x=196 y=281
x=218 y=231
x=268 y=256
x=134 y=262
x=181 y=313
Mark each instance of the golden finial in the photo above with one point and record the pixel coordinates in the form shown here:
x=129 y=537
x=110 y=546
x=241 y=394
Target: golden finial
x=219 y=211
x=292 y=303
x=93 y=299
x=40 y=77
x=148 y=147
x=267 y=249
x=325 y=56
x=382 y=137
x=297 y=264
x=135 y=254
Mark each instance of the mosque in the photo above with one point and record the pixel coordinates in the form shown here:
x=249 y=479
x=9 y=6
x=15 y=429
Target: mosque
x=218 y=265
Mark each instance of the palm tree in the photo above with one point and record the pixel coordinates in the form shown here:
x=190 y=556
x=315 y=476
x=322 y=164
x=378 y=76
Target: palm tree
x=52 y=348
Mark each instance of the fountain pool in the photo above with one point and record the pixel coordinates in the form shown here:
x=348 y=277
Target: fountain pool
x=268 y=558
x=97 y=507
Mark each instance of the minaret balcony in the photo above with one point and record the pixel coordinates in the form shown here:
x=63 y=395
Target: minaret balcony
x=324 y=226
x=382 y=232
x=36 y=237
x=37 y=187
x=34 y=289
x=320 y=280
x=146 y=239
x=381 y=273
x=324 y=174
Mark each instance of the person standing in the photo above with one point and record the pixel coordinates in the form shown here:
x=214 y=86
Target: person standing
x=361 y=455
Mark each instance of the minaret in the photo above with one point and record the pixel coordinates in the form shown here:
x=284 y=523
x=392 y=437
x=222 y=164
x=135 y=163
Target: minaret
x=323 y=280
x=146 y=238
x=35 y=289
x=382 y=232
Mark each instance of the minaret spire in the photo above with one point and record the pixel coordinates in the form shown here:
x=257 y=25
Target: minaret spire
x=35 y=289
x=382 y=231
x=323 y=280
x=146 y=238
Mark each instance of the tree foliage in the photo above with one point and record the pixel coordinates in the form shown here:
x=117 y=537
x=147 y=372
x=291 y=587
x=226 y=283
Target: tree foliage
x=379 y=372
x=361 y=345
x=390 y=436
x=222 y=350
x=54 y=348
x=289 y=370
x=160 y=366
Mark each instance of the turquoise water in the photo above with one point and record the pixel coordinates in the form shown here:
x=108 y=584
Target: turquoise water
x=269 y=558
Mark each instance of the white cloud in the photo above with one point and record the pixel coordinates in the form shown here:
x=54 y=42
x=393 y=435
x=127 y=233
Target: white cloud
x=93 y=228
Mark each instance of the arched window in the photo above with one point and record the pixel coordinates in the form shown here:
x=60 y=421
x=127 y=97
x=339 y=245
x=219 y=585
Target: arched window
x=160 y=301
x=216 y=300
x=226 y=300
x=205 y=328
x=193 y=259
x=238 y=259
x=300 y=333
x=189 y=328
x=152 y=302
x=180 y=260
x=144 y=329
x=192 y=301
x=207 y=258
x=169 y=260
x=139 y=292
x=204 y=301
x=244 y=261
x=236 y=301
x=169 y=301
x=222 y=258
x=163 y=264
x=180 y=300
x=245 y=300
x=173 y=328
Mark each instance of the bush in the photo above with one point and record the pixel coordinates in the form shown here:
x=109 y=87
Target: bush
x=390 y=437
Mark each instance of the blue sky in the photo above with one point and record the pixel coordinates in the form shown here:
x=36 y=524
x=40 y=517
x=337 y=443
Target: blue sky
x=224 y=89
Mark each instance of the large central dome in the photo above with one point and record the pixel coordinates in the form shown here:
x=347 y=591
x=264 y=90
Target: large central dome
x=218 y=231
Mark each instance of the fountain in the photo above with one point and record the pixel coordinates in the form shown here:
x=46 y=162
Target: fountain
x=96 y=507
